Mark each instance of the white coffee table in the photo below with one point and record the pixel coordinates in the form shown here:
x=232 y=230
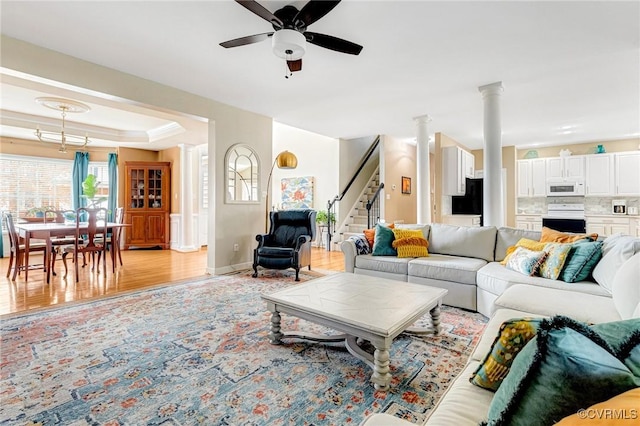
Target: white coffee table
x=369 y=308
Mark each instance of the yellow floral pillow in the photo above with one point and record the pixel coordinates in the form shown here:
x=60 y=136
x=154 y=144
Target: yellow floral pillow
x=410 y=243
x=532 y=245
x=557 y=254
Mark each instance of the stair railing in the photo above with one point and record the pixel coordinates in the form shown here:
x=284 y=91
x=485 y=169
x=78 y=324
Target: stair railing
x=373 y=208
x=331 y=204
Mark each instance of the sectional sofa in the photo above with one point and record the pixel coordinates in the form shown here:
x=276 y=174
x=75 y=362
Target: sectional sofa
x=466 y=261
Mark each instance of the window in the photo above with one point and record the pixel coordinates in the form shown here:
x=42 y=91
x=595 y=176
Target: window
x=29 y=182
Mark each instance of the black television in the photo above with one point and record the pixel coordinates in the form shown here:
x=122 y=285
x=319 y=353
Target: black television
x=471 y=201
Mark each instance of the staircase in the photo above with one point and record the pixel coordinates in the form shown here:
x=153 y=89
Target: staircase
x=356 y=221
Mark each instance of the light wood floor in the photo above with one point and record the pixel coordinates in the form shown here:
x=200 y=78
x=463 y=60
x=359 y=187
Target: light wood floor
x=142 y=268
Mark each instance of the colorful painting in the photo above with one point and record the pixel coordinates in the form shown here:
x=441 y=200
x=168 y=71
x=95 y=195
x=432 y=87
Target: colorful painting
x=297 y=192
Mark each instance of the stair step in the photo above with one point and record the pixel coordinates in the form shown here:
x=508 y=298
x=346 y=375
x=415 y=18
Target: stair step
x=357 y=228
x=359 y=220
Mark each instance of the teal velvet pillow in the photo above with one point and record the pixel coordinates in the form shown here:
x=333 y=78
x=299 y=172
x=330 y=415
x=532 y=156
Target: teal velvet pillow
x=624 y=339
x=582 y=258
x=566 y=367
x=382 y=242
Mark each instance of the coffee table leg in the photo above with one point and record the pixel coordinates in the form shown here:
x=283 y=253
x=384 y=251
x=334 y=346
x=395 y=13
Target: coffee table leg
x=275 y=335
x=435 y=319
x=381 y=376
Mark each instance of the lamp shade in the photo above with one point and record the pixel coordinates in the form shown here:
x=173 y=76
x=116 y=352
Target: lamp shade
x=286 y=160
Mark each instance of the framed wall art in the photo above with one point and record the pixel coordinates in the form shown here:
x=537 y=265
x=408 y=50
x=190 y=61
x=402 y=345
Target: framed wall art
x=406 y=185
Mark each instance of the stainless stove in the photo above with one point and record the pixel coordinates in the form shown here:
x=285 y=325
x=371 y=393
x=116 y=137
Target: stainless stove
x=565 y=217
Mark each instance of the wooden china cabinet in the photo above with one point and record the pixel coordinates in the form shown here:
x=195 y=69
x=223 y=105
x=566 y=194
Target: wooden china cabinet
x=147 y=204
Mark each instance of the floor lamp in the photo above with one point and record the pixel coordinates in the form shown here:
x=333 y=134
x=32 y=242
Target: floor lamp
x=284 y=160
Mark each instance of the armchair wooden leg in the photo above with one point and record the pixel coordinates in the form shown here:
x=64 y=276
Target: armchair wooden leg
x=64 y=260
x=297 y=272
x=255 y=271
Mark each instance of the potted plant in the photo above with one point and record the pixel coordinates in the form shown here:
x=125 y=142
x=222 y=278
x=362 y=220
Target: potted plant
x=90 y=189
x=321 y=218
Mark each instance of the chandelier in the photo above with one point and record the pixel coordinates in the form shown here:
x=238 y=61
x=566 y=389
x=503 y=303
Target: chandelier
x=64 y=106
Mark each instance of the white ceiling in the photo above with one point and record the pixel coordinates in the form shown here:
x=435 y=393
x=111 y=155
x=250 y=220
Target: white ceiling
x=571 y=70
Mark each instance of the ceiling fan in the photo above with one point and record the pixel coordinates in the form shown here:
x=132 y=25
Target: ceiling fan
x=290 y=36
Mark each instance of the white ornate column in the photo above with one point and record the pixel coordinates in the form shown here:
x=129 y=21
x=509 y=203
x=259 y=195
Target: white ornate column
x=424 y=181
x=186 y=232
x=492 y=184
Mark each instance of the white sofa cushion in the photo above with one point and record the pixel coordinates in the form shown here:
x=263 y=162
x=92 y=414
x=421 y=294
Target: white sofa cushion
x=616 y=250
x=584 y=307
x=424 y=228
x=390 y=264
x=446 y=268
x=495 y=279
x=626 y=288
x=465 y=241
x=507 y=237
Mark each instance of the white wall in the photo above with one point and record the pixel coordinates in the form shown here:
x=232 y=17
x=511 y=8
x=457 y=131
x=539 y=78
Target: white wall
x=318 y=156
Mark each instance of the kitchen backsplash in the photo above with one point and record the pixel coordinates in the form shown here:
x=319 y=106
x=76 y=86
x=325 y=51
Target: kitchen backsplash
x=592 y=205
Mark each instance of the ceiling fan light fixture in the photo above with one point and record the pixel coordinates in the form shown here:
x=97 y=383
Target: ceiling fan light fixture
x=289 y=44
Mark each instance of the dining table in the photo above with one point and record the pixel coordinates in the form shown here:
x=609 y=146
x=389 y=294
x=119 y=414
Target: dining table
x=46 y=231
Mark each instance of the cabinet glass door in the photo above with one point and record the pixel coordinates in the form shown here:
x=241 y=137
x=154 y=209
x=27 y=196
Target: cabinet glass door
x=137 y=195
x=154 y=198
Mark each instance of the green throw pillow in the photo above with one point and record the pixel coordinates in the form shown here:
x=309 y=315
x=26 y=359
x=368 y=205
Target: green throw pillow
x=566 y=367
x=382 y=242
x=583 y=257
x=513 y=335
x=624 y=339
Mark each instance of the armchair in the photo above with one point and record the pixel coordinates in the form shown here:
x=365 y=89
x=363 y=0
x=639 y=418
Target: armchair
x=288 y=243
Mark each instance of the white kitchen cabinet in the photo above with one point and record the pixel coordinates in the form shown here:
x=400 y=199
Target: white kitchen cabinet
x=599 y=175
x=634 y=226
x=608 y=225
x=469 y=164
x=561 y=168
x=529 y=222
x=532 y=178
x=627 y=173
x=461 y=220
x=457 y=165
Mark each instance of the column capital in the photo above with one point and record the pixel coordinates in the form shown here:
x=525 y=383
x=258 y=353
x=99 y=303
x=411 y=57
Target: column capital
x=422 y=118
x=491 y=89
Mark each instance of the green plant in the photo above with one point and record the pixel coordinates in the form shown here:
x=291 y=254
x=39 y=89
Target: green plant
x=90 y=189
x=321 y=217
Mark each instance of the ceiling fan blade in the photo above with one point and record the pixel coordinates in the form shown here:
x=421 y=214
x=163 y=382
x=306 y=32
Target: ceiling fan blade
x=333 y=43
x=295 y=65
x=314 y=10
x=259 y=10
x=246 y=40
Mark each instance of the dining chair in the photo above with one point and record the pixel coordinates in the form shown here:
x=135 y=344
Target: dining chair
x=89 y=240
x=116 y=232
x=17 y=250
x=58 y=243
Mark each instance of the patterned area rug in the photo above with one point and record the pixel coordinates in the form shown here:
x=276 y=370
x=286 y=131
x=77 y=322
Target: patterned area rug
x=198 y=353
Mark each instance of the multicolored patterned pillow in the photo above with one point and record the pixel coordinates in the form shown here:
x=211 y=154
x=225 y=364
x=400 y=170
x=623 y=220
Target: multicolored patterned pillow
x=525 y=261
x=557 y=254
x=526 y=243
x=511 y=338
x=361 y=243
x=410 y=243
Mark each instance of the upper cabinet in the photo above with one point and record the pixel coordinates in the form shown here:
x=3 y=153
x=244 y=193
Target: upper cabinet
x=599 y=176
x=532 y=178
x=561 y=168
x=627 y=173
x=457 y=165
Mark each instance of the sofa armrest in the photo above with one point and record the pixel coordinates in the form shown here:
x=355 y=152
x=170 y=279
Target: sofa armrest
x=350 y=253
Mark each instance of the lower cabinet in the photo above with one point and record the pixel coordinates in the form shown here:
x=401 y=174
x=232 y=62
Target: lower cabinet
x=529 y=222
x=608 y=225
x=461 y=220
x=147 y=229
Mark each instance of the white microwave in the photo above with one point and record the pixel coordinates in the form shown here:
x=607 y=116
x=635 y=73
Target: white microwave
x=565 y=188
